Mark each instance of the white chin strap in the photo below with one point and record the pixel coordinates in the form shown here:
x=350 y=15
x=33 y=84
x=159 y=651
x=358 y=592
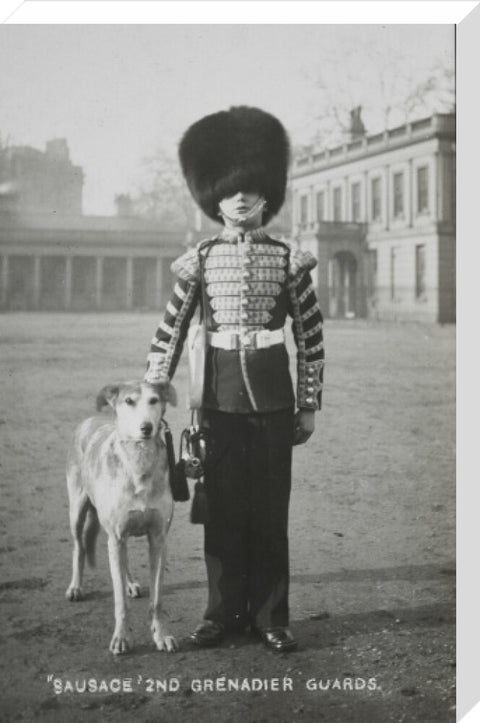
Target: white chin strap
x=242 y=217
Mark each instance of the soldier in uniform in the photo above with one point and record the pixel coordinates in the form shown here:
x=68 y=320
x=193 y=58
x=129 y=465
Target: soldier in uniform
x=235 y=163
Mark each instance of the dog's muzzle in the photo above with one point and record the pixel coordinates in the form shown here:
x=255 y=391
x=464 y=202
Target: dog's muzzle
x=146 y=429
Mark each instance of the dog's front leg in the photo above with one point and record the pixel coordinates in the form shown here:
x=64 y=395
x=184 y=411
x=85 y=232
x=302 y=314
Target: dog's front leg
x=157 y=552
x=117 y=554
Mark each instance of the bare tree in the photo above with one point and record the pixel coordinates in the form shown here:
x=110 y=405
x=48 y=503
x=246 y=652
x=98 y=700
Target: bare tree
x=5 y=143
x=163 y=193
x=384 y=80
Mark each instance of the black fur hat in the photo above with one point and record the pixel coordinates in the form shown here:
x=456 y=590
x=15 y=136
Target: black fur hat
x=242 y=149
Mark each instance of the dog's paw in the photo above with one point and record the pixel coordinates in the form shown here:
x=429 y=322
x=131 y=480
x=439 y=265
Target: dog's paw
x=133 y=589
x=74 y=593
x=121 y=642
x=165 y=642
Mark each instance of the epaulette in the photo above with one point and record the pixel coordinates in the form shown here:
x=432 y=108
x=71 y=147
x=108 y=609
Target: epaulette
x=300 y=261
x=187 y=266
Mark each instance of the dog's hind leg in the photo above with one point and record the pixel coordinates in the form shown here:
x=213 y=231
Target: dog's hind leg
x=79 y=505
x=157 y=553
x=121 y=640
x=90 y=533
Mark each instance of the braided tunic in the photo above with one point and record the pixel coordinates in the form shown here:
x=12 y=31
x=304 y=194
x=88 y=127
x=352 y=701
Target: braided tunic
x=251 y=282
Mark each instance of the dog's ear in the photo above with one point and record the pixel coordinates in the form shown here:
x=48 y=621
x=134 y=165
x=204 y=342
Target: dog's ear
x=107 y=395
x=166 y=392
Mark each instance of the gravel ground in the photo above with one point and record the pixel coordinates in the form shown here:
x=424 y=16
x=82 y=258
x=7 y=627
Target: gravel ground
x=372 y=542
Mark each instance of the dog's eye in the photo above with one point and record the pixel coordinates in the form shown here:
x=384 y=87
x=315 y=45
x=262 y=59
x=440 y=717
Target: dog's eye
x=129 y=400
x=153 y=400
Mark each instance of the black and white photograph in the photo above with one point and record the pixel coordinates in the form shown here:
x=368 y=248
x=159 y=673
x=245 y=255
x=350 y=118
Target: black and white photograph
x=228 y=371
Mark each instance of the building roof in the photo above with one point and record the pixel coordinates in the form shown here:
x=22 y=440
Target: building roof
x=40 y=228
x=315 y=159
x=77 y=222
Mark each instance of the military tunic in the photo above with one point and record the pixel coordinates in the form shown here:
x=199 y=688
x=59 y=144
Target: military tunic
x=251 y=282
x=247 y=284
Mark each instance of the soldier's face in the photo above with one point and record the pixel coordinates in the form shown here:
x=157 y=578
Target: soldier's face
x=245 y=209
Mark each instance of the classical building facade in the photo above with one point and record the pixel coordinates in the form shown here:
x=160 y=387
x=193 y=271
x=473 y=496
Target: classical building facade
x=379 y=214
x=84 y=263
x=54 y=258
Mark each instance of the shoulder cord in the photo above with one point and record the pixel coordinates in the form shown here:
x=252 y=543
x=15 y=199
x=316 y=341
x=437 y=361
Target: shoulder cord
x=203 y=313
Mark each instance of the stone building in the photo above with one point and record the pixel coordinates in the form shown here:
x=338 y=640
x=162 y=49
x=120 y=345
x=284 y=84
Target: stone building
x=84 y=263
x=56 y=259
x=33 y=181
x=379 y=214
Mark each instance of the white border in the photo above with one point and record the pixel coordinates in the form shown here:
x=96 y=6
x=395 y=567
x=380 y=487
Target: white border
x=235 y=11
x=468 y=381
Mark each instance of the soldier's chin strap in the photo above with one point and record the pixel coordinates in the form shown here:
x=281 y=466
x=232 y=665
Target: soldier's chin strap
x=242 y=217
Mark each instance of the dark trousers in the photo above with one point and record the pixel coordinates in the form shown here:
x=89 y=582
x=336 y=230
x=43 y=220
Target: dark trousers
x=247 y=483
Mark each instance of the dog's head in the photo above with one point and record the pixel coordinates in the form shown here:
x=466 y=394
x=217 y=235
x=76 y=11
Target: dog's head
x=139 y=406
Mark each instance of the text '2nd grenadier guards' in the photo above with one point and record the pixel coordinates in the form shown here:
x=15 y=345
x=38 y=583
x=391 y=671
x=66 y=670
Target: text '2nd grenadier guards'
x=247 y=284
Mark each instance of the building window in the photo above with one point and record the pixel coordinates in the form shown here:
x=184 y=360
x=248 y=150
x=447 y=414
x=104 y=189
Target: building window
x=422 y=189
x=420 y=286
x=320 y=206
x=337 y=204
x=392 y=273
x=355 y=202
x=303 y=210
x=376 y=199
x=398 y=195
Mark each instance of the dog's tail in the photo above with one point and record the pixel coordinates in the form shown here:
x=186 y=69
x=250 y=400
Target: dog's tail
x=90 y=532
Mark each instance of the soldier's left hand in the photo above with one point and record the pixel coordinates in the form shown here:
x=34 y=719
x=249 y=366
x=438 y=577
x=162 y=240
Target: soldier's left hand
x=303 y=425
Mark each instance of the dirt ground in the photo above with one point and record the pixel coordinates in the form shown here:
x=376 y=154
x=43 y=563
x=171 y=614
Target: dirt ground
x=371 y=538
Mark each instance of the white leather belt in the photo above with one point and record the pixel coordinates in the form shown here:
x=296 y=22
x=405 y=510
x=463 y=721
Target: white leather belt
x=229 y=340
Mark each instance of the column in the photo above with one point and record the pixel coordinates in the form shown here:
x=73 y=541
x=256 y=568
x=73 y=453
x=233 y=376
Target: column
x=129 y=283
x=387 y=198
x=437 y=207
x=4 y=299
x=37 y=282
x=68 y=282
x=347 y=210
x=366 y=215
x=98 y=282
x=159 y=284
x=410 y=192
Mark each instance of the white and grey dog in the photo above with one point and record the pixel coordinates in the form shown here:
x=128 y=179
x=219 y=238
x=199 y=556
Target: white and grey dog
x=117 y=474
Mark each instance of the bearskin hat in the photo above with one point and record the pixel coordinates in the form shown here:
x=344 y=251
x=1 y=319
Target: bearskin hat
x=242 y=149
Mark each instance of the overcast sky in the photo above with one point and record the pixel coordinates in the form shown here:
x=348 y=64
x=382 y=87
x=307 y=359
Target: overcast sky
x=119 y=92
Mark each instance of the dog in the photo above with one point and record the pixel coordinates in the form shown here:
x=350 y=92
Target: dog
x=117 y=475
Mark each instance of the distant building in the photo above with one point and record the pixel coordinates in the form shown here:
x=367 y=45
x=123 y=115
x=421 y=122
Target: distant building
x=379 y=214
x=54 y=258
x=84 y=263
x=33 y=181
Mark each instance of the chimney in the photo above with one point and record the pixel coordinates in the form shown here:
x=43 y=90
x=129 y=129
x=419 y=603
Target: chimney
x=57 y=148
x=357 y=129
x=124 y=205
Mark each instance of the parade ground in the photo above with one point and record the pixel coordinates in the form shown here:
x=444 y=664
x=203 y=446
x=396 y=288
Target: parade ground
x=372 y=542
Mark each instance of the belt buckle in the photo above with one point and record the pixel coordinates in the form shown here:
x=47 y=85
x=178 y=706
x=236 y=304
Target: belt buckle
x=247 y=340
